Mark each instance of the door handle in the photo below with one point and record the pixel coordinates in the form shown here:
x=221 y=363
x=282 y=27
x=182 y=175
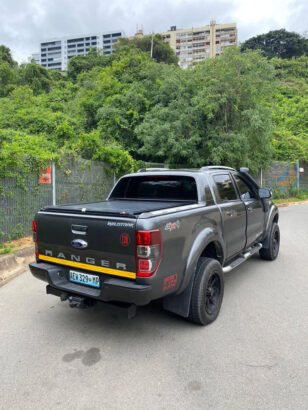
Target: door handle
x=230 y=213
x=249 y=209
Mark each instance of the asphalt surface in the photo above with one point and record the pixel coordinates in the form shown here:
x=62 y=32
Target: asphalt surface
x=255 y=356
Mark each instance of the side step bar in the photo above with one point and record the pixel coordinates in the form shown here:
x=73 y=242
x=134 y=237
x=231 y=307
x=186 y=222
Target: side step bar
x=242 y=258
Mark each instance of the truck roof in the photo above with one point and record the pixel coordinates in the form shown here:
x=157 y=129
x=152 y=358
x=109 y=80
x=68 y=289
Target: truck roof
x=185 y=171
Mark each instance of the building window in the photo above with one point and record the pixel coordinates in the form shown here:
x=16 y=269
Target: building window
x=75 y=40
x=54 y=48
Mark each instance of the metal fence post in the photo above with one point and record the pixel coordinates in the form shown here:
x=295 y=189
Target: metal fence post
x=53 y=180
x=261 y=178
x=297 y=173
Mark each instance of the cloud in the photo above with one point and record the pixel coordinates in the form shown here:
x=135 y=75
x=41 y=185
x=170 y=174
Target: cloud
x=24 y=23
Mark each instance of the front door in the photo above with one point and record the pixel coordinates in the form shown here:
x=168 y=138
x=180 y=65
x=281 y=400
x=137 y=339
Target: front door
x=254 y=208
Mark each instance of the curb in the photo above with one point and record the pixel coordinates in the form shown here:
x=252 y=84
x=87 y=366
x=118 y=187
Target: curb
x=15 y=264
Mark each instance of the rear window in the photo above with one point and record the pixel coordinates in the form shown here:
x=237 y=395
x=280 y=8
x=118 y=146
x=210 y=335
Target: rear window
x=160 y=187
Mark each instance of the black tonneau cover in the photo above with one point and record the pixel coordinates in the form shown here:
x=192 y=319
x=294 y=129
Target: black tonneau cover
x=117 y=207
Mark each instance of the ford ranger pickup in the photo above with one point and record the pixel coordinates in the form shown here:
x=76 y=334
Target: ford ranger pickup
x=161 y=234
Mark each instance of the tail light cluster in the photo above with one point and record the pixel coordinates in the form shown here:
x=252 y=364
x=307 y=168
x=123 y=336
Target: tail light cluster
x=34 y=230
x=148 y=252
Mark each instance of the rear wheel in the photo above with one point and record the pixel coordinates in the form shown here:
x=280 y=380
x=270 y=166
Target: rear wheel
x=207 y=292
x=272 y=251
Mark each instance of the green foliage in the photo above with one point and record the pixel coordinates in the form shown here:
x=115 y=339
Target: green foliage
x=290 y=110
x=214 y=114
x=36 y=77
x=21 y=153
x=80 y=64
x=90 y=146
x=162 y=52
x=238 y=109
x=278 y=43
x=6 y=57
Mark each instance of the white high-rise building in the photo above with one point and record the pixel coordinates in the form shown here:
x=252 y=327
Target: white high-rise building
x=55 y=53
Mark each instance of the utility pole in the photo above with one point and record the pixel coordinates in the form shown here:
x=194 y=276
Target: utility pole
x=53 y=180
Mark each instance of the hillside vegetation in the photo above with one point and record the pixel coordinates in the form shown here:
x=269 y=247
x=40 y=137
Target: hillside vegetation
x=239 y=109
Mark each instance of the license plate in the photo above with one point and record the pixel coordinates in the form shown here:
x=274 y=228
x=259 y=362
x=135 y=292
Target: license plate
x=84 y=278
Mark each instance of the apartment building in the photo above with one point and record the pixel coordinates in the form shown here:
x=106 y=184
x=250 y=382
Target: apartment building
x=196 y=44
x=56 y=53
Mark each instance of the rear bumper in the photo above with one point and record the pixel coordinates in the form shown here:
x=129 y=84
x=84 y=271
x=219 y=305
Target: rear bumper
x=111 y=289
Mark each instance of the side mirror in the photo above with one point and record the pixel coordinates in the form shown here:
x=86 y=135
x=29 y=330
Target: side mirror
x=264 y=193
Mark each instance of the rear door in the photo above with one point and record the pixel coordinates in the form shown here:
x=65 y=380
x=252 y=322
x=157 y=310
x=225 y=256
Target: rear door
x=92 y=243
x=233 y=213
x=254 y=207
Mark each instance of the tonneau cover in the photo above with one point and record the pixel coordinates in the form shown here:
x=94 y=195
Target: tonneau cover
x=117 y=207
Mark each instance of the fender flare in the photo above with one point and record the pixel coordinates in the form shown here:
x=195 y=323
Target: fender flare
x=272 y=213
x=179 y=303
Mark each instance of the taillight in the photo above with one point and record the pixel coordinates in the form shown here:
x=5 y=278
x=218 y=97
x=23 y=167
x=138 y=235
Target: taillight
x=34 y=230
x=148 y=252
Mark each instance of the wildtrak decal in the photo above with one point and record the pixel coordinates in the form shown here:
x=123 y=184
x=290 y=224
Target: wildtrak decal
x=171 y=226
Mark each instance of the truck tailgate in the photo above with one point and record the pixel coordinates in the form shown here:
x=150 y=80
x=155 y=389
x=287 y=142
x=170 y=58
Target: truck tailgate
x=92 y=243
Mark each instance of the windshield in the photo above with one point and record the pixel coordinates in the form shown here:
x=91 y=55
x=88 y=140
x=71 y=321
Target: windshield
x=156 y=187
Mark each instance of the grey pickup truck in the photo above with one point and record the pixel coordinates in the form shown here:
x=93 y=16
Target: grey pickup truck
x=161 y=234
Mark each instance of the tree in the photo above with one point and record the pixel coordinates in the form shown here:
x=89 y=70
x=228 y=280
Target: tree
x=6 y=57
x=36 y=77
x=290 y=110
x=278 y=43
x=162 y=52
x=216 y=114
x=80 y=64
x=8 y=78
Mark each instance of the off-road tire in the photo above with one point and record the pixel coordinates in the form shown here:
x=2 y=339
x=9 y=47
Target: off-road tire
x=207 y=292
x=272 y=251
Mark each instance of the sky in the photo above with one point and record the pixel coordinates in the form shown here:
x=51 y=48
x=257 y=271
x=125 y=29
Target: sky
x=25 y=23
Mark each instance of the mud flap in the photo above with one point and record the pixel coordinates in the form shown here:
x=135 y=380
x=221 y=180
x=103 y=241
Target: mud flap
x=180 y=304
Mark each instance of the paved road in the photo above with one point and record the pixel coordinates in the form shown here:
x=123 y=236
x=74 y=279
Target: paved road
x=255 y=356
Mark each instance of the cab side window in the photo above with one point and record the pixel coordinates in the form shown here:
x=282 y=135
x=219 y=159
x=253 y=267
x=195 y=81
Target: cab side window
x=225 y=188
x=245 y=191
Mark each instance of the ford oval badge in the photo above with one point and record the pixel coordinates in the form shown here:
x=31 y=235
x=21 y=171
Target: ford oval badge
x=79 y=243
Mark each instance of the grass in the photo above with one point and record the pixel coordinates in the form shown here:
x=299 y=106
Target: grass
x=5 y=248
x=14 y=245
x=293 y=199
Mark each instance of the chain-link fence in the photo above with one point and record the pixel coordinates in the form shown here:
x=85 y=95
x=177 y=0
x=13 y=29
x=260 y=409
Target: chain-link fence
x=76 y=181
x=87 y=181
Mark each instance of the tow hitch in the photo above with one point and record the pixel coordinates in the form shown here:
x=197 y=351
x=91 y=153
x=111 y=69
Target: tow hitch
x=80 y=302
